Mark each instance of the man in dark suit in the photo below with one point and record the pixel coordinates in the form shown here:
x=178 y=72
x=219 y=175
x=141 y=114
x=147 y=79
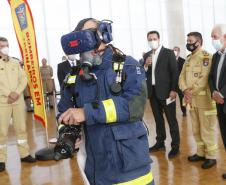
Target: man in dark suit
x=162 y=81
x=217 y=77
x=64 y=67
x=180 y=63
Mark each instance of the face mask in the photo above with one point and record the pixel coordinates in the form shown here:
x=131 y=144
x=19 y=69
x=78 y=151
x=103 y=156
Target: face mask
x=91 y=58
x=71 y=57
x=5 y=51
x=153 y=44
x=217 y=44
x=192 y=47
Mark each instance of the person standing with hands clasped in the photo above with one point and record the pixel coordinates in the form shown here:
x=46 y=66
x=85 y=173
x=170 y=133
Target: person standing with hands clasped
x=13 y=81
x=193 y=82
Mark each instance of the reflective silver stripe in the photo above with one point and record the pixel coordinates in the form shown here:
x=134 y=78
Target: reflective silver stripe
x=3 y=146
x=21 y=141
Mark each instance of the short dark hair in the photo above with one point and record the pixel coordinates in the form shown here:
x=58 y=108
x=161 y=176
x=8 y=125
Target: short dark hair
x=153 y=32
x=82 y=22
x=3 y=39
x=176 y=47
x=197 y=35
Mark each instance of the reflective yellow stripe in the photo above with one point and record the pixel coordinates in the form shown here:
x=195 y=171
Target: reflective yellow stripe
x=210 y=148
x=110 y=110
x=71 y=79
x=214 y=104
x=212 y=112
x=118 y=66
x=200 y=143
x=202 y=93
x=60 y=126
x=143 y=180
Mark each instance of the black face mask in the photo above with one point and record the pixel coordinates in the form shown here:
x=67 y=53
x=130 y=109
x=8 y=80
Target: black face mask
x=192 y=47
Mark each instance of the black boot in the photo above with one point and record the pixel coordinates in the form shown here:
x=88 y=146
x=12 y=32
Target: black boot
x=28 y=159
x=157 y=147
x=209 y=163
x=173 y=153
x=224 y=176
x=2 y=166
x=196 y=158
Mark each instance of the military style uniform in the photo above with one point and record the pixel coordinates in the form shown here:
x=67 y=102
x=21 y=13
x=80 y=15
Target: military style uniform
x=194 y=75
x=12 y=79
x=47 y=82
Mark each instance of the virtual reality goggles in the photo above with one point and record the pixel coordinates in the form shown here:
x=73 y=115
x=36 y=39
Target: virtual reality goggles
x=85 y=40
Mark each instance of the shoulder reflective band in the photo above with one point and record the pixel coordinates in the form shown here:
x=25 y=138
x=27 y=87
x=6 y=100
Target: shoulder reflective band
x=110 y=111
x=71 y=79
x=202 y=93
x=143 y=180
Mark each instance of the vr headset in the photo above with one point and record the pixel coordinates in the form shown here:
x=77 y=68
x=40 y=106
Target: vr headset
x=80 y=41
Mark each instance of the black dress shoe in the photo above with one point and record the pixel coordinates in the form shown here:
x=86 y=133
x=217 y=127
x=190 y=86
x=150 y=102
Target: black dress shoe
x=2 y=166
x=173 y=153
x=209 y=163
x=157 y=147
x=28 y=159
x=195 y=158
x=51 y=106
x=224 y=176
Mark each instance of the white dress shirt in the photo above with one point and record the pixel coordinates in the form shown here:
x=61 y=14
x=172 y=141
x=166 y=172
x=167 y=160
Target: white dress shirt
x=219 y=68
x=72 y=63
x=154 y=56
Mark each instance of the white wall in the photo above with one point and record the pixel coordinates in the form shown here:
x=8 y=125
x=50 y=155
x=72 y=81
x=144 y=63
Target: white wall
x=132 y=20
x=201 y=15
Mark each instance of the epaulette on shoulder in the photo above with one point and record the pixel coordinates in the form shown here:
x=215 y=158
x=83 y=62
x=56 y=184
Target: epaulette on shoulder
x=189 y=55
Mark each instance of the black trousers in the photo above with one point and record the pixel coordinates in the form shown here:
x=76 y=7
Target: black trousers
x=222 y=122
x=158 y=107
x=181 y=96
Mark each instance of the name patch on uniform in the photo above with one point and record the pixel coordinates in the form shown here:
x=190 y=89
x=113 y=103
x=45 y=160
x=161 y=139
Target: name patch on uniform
x=205 y=63
x=138 y=71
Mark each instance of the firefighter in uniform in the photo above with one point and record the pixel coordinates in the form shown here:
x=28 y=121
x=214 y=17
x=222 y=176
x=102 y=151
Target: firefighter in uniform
x=27 y=96
x=47 y=81
x=193 y=82
x=115 y=137
x=13 y=81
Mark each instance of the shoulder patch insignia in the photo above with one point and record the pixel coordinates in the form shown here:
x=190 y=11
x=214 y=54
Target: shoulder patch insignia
x=205 y=62
x=138 y=70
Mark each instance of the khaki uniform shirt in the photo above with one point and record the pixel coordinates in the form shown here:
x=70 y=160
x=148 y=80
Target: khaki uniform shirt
x=195 y=75
x=46 y=72
x=12 y=79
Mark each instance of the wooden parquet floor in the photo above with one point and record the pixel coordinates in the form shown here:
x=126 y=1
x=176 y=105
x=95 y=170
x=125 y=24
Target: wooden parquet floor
x=177 y=171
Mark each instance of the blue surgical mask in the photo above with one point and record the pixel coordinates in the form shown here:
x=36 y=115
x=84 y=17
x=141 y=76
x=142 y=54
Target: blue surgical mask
x=217 y=44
